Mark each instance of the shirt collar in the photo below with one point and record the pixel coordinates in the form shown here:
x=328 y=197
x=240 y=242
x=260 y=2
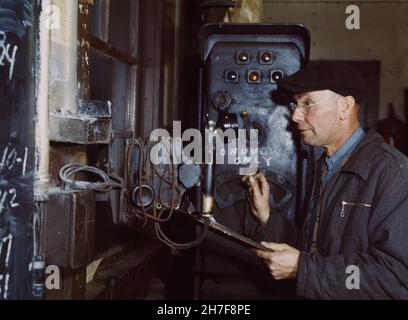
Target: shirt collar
x=334 y=161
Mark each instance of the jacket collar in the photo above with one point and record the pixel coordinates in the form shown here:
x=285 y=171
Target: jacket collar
x=360 y=160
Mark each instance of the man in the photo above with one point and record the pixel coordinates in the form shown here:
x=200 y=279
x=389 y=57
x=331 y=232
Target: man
x=353 y=241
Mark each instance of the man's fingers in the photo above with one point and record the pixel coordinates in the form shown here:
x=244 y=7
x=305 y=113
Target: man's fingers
x=275 y=246
x=262 y=254
x=255 y=176
x=264 y=186
x=255 y=187
x=258 y=175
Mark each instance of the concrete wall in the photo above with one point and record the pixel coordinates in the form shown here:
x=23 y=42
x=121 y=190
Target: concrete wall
x=383 y=36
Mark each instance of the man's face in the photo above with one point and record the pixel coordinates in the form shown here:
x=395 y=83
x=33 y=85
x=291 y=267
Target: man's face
x=318 y=117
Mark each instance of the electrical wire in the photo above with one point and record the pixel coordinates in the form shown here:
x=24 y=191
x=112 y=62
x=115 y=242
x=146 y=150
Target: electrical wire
x=157 y=216
x=109 y=182
x=144 y=176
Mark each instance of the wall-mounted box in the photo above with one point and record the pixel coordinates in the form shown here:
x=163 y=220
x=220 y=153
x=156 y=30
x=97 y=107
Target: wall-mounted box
x=68 y=228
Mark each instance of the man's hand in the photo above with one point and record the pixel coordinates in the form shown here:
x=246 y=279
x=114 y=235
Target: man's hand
x=259 y=196
x=283 y=262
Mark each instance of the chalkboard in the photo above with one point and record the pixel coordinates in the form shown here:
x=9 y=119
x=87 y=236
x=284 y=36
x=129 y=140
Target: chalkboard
x=17 y=114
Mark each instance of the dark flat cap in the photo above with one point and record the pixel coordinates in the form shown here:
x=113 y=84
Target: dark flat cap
x=338 y=77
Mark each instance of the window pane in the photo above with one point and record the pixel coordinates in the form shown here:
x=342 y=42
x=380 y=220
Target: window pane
x=119 y=29
x=111 y=22
x=109 y=83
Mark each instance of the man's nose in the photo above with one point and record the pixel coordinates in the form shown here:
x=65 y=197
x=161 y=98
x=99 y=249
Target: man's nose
x=298 y=116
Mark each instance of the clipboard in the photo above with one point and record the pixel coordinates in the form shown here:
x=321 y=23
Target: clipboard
x=232 y=235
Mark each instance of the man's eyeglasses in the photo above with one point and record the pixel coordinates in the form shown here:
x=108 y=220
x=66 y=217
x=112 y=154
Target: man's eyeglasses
x=304 y=107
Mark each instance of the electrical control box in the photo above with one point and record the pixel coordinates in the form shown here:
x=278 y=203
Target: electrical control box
x=241 y=64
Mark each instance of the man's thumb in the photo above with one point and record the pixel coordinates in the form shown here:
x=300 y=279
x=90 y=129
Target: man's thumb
x=274 y=246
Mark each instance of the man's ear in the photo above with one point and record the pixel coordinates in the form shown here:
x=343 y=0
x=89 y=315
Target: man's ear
x=347 y=106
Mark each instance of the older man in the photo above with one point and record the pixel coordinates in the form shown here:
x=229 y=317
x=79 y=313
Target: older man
x=353 y=241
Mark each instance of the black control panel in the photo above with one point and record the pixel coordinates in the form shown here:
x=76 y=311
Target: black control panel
x=241 y=64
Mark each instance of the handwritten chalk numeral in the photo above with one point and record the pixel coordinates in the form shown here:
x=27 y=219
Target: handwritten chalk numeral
x=12 y=203
x=11 y=199
x=3 y=196
x=5 y=54
x=10 y=158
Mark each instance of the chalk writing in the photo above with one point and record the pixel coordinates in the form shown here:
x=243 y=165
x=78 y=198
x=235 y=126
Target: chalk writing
x=6 y=55
x=20 y=25
x=8 y=196
x=13 y=193
x=5 y=251
x=4 y=285
x=10 y=158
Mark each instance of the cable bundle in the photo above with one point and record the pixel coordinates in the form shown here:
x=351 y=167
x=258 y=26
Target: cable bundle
x=110 y=182
x=157 y=215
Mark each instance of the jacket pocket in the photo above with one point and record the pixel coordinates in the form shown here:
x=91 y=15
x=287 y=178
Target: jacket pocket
x=345 y=204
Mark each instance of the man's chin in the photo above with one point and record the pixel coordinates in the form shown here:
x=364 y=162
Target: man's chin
x=307 y=137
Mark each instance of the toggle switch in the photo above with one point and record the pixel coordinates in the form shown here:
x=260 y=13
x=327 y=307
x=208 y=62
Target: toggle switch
x=221 y=100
